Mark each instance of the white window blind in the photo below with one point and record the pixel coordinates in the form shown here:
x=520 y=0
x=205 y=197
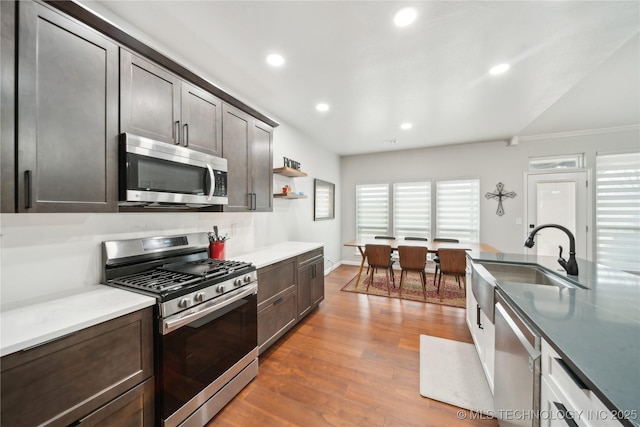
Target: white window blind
x=372 y=210
x=458 y=210
x=412 y=209
x=618 y=211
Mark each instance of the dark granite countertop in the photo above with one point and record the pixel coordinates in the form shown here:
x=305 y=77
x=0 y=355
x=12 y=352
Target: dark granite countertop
x=596 y=330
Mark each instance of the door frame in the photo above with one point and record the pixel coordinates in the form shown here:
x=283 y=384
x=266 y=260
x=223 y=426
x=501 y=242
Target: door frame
x=589 y=204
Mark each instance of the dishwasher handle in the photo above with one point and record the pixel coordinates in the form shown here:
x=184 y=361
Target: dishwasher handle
x=527 y=337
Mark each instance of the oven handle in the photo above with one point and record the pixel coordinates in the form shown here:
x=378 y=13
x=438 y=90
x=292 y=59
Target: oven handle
x=172 y=323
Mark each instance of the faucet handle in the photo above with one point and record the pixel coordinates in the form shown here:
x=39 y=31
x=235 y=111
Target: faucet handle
x=561 y=260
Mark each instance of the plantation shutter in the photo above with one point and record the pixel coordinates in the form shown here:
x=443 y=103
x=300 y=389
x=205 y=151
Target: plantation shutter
x=618 y=211
x=458 y=210
x=372 y=210
x=412 y=209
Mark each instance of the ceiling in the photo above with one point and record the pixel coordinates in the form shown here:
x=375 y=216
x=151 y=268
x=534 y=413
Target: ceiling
x=564 y=56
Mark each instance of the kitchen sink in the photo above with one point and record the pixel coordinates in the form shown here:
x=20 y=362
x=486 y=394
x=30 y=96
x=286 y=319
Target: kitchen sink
x=524 y=274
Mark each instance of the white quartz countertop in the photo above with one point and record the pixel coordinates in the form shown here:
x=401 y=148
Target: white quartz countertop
x=267 y=255
x=32 y=325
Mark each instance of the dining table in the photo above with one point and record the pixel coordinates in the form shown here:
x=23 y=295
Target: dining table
x=432 y=247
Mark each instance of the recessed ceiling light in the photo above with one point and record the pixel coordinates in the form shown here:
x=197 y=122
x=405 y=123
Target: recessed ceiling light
x=406 y=126
x=322 y=107
x=275 y=60
x=499 y=69
x=405 y=16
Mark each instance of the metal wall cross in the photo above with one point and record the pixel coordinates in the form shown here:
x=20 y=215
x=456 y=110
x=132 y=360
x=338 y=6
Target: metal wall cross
x=500 y=194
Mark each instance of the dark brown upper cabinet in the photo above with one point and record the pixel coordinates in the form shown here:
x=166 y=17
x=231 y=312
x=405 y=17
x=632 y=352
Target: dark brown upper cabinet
x=157 y=104
x=248 y=148
x=67 y=108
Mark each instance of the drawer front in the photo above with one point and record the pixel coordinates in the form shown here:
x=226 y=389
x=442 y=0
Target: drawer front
x=574 y=393
x=62 y=381
x=276 y=319
x=135 y=408
x=309 y=257
x=275 y=279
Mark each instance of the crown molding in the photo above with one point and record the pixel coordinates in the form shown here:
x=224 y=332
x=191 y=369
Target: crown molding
x=616 y=129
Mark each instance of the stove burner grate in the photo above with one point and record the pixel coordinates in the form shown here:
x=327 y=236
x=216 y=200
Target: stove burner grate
x=157 y=280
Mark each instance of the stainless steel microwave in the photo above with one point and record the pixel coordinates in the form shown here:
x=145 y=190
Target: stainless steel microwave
x=157 y=173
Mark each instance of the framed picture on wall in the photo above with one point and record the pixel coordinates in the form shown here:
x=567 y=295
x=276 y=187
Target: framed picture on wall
x=324 y=200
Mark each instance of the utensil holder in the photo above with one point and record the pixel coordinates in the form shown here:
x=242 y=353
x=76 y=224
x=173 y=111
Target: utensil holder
x=216 y=250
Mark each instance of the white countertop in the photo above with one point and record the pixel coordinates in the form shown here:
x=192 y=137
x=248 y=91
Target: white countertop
x=267 y=255
x=33 y=324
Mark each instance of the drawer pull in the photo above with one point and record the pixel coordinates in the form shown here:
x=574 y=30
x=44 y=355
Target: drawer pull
x=565 y=415
x=278 y=301
x=581 y=385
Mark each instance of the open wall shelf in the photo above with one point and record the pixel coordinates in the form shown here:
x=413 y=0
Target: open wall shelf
x=292 y=173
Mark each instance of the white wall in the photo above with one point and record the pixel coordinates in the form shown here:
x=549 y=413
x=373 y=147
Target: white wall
x=46 y=254
x=491 y=162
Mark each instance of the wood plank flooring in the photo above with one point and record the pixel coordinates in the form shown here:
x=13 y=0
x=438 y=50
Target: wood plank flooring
x=354 y=361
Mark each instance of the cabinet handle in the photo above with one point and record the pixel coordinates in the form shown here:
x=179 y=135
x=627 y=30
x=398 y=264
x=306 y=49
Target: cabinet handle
x=478 y=317
x=579 y=383
x=28 y=184
x=278 y=301
x=177 y=129
x=185 y=135
x=565 y=415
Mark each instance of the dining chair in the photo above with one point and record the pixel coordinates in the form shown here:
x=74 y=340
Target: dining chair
x=413 y=259
x=378 y=256
x=390 y=256
x=453 y=262
x=436 y=259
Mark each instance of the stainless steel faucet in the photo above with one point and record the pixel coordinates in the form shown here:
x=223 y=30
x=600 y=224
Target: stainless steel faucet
x=570 y=266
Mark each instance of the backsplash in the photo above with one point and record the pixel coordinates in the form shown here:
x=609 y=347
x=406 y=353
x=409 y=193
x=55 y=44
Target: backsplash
x=46 y=254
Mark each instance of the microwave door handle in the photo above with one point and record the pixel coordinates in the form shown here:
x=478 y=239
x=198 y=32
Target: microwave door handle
x=213 y=181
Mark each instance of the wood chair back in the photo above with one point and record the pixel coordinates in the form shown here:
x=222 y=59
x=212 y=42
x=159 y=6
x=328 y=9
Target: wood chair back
x=452 y=261
x=413 y=257
x=378 y=255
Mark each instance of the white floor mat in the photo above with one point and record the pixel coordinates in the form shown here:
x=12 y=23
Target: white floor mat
x=450 y=372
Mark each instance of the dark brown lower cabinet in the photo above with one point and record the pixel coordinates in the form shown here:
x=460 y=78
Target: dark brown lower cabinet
x=288 y=291
x=101 y=375
x=276 y=301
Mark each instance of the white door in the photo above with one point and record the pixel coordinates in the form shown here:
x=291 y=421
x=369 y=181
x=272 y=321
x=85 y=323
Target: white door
x=563 y=199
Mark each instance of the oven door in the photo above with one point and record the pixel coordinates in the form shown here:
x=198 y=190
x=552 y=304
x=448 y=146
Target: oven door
x=156 y=172
x=201 y=349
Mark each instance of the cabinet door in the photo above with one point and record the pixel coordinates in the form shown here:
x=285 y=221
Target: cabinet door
x=135 y=408
x=304 y=290
x=317 y=282
x=202 y=120
x=67 y=115
x=236 y=136
x=149 y=100
x=262 y=166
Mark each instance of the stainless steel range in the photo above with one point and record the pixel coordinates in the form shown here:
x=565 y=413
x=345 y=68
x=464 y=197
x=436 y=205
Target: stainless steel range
x=206 y=343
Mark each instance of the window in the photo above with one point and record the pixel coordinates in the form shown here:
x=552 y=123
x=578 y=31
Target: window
x=618 y=210
x=372 y=210
x=571 y=161
x=412 y=209
x=458 y=210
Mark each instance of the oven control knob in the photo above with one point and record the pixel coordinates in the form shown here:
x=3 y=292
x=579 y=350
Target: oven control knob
x=247 y=278
x=199 y=297
x=184 y=302
x=237 y=282
x=220 y=289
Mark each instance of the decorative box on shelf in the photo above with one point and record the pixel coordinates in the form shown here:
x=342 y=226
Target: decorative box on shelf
x=290 y=172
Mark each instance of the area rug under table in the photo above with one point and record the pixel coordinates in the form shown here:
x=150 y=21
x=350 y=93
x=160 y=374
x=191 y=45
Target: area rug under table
x=451 y=294
x=450 y=372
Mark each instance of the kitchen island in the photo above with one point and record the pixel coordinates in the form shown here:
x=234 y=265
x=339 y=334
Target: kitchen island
x=594 y=326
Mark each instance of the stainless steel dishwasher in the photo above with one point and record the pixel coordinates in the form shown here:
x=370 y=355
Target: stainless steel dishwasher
x=517 y=363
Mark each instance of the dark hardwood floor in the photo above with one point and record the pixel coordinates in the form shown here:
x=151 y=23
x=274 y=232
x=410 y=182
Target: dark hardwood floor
x=352 y=362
